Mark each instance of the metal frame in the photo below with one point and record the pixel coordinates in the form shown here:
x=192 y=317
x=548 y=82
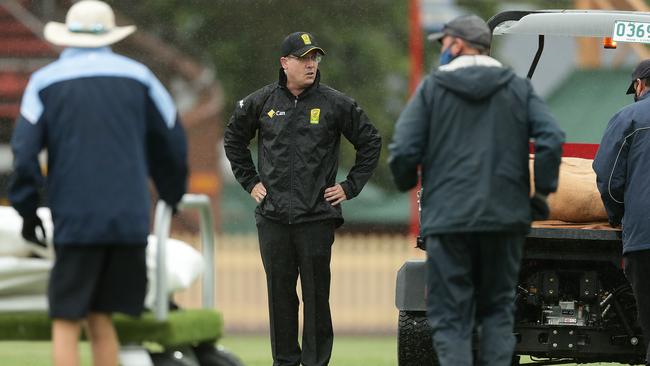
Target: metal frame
x=562 y=344
x=565 y=23
x=571 y=23
x=553 y=344
x=162 y=225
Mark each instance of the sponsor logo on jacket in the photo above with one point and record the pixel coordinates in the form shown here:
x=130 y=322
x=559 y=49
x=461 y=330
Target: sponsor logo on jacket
x=273 y=113
x=314 y=116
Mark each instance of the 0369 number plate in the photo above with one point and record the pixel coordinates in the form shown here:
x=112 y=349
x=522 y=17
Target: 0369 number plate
x=629 y=31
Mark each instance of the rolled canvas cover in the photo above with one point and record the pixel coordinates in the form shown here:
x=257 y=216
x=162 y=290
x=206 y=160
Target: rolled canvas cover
x=577 y=198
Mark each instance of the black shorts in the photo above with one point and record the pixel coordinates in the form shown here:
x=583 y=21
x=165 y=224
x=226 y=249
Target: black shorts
x=97 y=278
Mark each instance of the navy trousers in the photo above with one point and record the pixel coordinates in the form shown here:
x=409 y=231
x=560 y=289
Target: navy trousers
x=471 y=280
x=637 y=271
x=289 y=251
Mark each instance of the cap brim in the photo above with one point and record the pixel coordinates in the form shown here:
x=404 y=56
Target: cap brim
x=305 y=50
x=437 y=36
x=59 y=34
x=631 y=90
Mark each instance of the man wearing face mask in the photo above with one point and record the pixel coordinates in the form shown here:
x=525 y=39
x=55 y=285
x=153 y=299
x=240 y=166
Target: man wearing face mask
x=299 y=122
x=621 y=165
x=468 y=127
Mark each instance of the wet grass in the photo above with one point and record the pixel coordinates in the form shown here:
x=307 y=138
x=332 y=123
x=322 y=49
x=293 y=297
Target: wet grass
x=253 y=350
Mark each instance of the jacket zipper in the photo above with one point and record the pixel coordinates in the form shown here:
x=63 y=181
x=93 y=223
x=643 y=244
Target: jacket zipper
x=293 y=152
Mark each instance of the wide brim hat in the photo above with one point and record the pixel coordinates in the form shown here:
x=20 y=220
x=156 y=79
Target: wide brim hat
x=89 y=24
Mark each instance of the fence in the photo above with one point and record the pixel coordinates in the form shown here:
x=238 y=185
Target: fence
x=362 y=291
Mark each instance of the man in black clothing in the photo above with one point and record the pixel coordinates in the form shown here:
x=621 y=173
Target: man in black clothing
x=469 y=125
x=298 y=123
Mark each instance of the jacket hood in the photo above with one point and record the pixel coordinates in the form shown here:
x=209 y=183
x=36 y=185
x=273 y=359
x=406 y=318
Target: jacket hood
x=473 y=77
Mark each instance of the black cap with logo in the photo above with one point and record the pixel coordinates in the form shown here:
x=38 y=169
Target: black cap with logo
x=299 y=44
x=642 y=71
x=468 y=27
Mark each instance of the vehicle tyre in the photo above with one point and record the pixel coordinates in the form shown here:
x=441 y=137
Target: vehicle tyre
x=414 y=343
x=179 y=356
x=208 y=354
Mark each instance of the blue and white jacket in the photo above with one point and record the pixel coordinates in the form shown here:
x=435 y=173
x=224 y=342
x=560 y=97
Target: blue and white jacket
x=107 y=124
x=622 y=166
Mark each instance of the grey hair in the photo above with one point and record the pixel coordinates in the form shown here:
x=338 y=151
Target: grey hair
x=479 y=47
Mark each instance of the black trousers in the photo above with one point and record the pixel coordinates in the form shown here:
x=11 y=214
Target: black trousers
x=289 y=251
x=637 y=271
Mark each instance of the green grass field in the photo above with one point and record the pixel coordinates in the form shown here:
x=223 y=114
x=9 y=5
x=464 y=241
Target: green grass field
x=348 y=351
x=253 y=350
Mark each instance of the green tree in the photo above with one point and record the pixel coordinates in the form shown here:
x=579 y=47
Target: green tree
x=365 y=40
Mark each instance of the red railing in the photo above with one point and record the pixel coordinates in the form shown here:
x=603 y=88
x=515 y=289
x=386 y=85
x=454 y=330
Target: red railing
x=575 y=150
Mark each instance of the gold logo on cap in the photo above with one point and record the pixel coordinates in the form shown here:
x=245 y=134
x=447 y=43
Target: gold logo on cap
x=271 y=113
x=314 y=116
x=305 y=38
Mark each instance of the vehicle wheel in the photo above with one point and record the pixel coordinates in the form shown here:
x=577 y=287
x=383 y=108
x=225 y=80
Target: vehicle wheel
x=181 y=356
x=210 y=355
x=414 y=343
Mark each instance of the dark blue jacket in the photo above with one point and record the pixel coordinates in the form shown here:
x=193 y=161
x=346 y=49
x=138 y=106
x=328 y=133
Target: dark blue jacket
x=468 y=126
x=107 y=124
x=622 y=167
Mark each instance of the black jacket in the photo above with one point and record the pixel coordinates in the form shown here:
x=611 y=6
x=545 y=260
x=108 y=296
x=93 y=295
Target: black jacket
x=298 y=149
x=469 y=128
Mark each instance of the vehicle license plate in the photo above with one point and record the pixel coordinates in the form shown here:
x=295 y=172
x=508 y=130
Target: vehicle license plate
x=628 y=31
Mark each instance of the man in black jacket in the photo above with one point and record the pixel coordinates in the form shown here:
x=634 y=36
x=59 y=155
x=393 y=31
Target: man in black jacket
x=468 y=126
x=298 y=123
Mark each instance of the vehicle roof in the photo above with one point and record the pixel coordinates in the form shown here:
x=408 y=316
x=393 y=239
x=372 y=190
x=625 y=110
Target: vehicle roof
x=570 y=23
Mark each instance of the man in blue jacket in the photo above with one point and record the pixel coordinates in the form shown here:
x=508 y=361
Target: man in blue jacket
x=622 y=165
x=107 y=124
x=468 y=126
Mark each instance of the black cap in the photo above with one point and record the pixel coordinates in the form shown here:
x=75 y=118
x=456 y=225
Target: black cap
x=468 y=27
x=299 y=44
x=641 y=71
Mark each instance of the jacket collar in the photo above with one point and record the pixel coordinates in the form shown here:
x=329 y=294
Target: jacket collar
x=470 y=60
x=76 y=51
x=282 y=83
